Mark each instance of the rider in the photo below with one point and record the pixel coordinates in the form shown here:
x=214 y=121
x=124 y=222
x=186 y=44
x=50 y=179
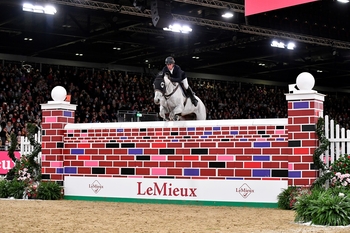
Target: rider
x=178 y=75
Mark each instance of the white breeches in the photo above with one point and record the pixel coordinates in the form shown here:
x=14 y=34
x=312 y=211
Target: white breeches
x=185 y=82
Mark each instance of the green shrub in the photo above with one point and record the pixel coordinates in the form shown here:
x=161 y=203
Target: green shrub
x=49 y=191
x=324 y=207
x=16 y=189
x=4 y=188
x=285 y=198
x=288 y=198
x=341 y=164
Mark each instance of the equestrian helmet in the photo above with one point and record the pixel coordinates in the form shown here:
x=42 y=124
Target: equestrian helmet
x=169 y=60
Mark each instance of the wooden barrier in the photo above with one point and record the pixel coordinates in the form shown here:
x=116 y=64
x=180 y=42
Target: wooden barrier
x=231 y=162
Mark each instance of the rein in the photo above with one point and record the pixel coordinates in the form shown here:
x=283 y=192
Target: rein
x=166 y=96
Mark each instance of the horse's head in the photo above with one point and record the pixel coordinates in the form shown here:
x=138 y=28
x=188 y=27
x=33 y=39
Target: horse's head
x=159 y=87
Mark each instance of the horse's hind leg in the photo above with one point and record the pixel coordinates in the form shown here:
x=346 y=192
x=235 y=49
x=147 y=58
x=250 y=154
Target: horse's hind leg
x=177 y=117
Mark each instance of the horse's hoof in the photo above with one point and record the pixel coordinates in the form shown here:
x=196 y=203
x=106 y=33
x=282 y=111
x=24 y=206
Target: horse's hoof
x=177 y=118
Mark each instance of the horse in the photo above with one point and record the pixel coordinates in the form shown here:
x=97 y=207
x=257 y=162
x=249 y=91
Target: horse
x=174 y=105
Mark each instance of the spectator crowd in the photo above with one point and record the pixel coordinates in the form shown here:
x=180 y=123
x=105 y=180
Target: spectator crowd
x=101 y=94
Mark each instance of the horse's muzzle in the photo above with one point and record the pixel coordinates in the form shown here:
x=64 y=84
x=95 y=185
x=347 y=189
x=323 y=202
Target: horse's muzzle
x=156 y=101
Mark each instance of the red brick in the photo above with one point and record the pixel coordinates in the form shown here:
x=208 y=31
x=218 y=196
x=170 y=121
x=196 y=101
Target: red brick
x=77 y=163
x=225 y=172
x=271 y=151
x=207 y=172
x=135 y=164
x=294 y=158
x=208 y=158
x=301 y=151
x=174 y=157
x=142 y=171
x=199 y=164
x=112 y=157
x=271 y=165
x=84 y=170
x=234 y=164
x=105 y=151
x=84 y=157
x=112 y=170
x=166 y=164
x=183 y=164
x=309 y=174
x=150 y=164
x=243 y=172
x=252 y=165
x=174 y=171
x=243 y=158
x=120 y=164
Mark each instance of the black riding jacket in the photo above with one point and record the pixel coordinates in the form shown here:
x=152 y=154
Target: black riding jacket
x=178 y=74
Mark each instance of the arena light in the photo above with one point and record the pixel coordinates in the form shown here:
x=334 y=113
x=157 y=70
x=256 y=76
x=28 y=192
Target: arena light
x=48 y=9
x=277 y=44
x=343 y=1
x=227 y=15
x=282 y=45
x=290 y=46
x=178 y=28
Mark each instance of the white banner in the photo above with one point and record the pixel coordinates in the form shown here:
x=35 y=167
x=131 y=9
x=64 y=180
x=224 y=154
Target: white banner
x=175 y=189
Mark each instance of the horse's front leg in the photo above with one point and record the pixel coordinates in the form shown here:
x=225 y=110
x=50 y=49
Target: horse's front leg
x=176 y=113
x=162 y=113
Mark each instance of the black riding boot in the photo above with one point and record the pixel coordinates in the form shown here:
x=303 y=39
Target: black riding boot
x=191 y=95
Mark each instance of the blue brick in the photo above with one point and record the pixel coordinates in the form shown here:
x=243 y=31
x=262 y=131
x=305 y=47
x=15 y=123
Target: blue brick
x=204 y=136
x=67 y=114
x=135 y=151
x=191 y=172
x=294 y=174
x=261 y=158
x=243 y=139
x=70 y=170
x=191 y=129
x=120 y=130
x=59 y=170
x=262 y=144
x=300 y=105
x=208 y=133
x=234 y=132
x=77 y=151
x=261 y=173
x=216 y=128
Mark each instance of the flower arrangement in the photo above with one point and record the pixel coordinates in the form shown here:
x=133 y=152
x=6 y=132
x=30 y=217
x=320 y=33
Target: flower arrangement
x=31 y=191
x=288 y=198
x=24 y=179
x=319 y=204
x=342 y=164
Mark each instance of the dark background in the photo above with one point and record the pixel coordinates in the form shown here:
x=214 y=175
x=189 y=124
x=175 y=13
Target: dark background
x=238 y=47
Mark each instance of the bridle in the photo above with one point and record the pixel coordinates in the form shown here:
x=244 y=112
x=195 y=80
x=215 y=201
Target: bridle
x=167 y=96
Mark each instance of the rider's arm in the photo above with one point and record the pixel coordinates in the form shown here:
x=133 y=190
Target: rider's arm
x=178 y=74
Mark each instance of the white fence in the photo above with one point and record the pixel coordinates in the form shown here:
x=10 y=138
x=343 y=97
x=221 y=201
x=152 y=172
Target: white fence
x=339 y=139
x=27 y=148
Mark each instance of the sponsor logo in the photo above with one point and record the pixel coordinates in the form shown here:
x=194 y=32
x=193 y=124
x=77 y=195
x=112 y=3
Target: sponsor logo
x=6 y=164
x=95 y=186
x=165 y=190
x=244 y=190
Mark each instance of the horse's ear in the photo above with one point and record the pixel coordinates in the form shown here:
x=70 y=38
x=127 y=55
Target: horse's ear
x=160 y=73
